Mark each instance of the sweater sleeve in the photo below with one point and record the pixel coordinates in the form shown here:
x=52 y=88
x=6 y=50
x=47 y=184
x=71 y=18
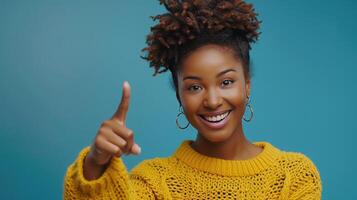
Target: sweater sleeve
x=306 y=183
x=115 y=183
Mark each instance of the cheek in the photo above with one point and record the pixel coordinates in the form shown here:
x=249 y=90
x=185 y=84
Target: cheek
x=191 y=103
x=236 y=97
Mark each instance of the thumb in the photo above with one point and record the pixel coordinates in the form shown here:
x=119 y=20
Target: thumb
x=135 y=149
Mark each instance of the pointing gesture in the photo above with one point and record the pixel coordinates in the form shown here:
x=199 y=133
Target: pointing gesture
x=120 y=114
x=113 y=137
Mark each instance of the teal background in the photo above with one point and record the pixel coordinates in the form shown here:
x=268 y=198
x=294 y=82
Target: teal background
x=62 y=64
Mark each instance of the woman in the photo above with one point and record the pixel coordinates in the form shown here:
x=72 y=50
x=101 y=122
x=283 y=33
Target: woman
x=205 y=44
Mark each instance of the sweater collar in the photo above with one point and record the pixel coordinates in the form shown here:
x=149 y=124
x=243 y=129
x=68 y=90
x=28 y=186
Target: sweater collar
x=223 y=167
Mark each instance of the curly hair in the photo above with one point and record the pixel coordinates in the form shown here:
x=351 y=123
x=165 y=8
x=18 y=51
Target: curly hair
x=190 y=24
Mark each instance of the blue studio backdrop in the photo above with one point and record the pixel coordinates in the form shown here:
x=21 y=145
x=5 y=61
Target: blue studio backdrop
x=62 y=65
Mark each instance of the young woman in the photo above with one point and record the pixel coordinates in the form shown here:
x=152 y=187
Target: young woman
x=205 y=44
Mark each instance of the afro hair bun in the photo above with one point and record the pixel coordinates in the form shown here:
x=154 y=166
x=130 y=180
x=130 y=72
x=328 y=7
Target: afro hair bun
x=187 y=20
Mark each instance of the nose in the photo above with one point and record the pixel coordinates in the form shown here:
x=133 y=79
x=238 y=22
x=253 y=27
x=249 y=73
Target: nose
x=212 y=99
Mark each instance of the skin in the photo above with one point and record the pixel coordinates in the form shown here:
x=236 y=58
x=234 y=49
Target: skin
x=210 y=79
x=113 y=139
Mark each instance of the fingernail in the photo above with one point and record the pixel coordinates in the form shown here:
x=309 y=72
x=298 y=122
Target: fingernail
x=126 y=83
x=137 y=151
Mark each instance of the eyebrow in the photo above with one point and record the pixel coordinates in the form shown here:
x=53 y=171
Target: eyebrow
x=218 y=75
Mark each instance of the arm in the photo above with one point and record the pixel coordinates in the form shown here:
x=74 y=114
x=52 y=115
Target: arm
x=98 y=172
x=114 y=183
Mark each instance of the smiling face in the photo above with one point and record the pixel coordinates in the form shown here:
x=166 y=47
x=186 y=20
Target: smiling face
x=213 y=91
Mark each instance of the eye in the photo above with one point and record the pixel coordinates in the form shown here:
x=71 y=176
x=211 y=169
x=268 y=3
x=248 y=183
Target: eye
x=227 y=82
x=194 y=88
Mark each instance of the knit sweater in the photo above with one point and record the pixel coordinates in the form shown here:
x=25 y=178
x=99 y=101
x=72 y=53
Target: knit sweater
x=187 y=174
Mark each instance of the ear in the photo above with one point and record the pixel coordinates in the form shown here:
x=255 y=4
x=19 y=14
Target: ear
x=247 y=87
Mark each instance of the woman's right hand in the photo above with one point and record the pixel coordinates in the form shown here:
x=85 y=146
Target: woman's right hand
x=113 y=137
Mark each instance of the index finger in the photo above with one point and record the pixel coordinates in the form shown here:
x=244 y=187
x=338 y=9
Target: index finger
x=123 y=107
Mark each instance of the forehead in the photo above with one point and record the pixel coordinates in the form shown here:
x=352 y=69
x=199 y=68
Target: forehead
x=209 y=59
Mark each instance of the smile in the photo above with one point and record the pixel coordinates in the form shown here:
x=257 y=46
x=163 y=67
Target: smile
x=216 y=118
x=216 y=121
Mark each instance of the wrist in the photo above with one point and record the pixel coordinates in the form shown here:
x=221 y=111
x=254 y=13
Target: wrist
x=92 y=169
x=95 y=162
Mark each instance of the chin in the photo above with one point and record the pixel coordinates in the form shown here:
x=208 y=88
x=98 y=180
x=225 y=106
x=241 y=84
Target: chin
x=219 y=135
x=216 y=137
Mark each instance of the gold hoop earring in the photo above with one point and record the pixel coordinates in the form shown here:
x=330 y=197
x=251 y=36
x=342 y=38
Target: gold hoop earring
x=177 y=119
x=250 y=109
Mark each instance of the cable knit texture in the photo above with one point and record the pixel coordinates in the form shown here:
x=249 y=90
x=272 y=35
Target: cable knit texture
x=272 y=174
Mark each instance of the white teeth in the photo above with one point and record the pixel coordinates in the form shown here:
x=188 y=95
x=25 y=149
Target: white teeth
x=217 y=117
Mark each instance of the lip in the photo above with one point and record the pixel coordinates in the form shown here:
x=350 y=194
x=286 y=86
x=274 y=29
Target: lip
x=216 y=125
x=210 y=114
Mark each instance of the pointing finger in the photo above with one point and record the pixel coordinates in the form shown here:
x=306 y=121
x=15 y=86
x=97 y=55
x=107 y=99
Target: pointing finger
x=123 y=107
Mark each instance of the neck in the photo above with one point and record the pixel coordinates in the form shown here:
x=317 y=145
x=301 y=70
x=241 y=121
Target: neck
x=236 y=147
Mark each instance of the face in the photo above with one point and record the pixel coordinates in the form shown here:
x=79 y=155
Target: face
x=213 y=91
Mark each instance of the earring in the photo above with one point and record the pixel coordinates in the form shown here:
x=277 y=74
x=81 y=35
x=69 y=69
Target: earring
x=250 y=109
x=177 y=119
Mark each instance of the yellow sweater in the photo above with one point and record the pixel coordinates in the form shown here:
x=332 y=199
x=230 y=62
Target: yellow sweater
x=273 y=174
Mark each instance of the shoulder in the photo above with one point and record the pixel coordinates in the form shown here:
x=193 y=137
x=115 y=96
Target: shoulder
x=288 y=160
x=302 y=176
x=296 y=161
x=302 y=171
